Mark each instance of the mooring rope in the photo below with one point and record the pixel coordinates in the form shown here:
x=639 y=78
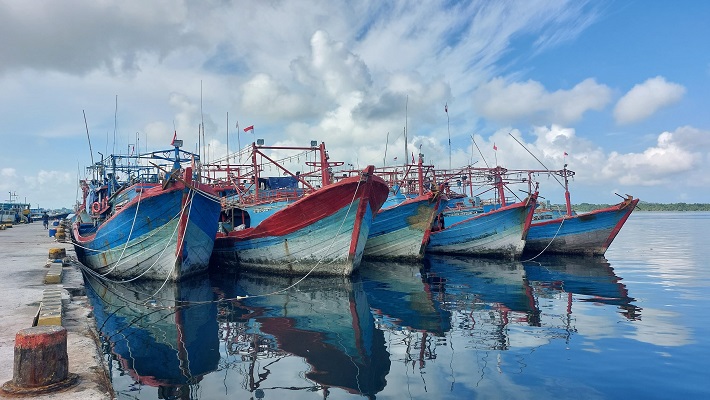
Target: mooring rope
x=130 y=232
x=342 y=223
x=548 y=245
x=167 y=244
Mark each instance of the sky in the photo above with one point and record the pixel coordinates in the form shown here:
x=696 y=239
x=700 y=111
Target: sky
x=621 y=87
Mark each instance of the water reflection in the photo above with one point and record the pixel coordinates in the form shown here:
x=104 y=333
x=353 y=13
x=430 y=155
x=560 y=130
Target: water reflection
x=162 y=335
x=484 y=294
x=401 y=299
x=592 y=278
x=451 y=321
x=325 y=321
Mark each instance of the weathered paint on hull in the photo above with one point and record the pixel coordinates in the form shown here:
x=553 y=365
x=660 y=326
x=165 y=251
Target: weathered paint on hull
x=124 y=249
x=323 y=233
x=584 y=234
x=496 y=233
x=323 y=247
x=398 y=231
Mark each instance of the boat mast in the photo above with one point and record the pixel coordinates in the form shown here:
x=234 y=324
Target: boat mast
x=568 y=203
x=325 y=173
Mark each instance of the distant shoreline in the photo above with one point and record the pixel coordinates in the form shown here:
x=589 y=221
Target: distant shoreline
x=644 y=206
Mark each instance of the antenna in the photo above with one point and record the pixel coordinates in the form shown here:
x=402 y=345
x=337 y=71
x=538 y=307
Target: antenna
x=88 y=137
x=406 y=152
x=479 y=152
x=448 y=128
x=538 y=160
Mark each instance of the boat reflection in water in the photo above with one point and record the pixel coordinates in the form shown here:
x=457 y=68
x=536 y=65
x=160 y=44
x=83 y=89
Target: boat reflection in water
x=325 y=321
x=466 y=327
x=592 y=279
x=160 y=334
x=400 y=298
x=486 y=295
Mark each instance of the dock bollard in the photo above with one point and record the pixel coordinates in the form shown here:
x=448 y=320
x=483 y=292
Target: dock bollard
x=41 y=362
x=57 y=253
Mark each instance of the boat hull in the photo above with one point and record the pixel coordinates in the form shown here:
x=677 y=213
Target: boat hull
x=583 y=234
x=497 y=233
x=399 y=231
x=323 y=233
x=161 y=234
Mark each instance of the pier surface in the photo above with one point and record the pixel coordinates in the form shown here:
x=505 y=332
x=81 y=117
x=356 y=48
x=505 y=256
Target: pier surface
x=24 y=256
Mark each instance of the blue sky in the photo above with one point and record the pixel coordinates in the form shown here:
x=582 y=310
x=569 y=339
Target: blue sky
x=622 y=86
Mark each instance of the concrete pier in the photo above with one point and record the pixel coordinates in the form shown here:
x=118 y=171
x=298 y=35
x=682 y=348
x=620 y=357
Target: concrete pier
x=24 y=265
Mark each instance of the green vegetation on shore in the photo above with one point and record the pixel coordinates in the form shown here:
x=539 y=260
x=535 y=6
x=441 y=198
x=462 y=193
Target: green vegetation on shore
x=645 y=206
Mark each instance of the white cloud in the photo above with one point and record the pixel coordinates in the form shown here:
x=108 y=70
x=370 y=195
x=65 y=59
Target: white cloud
x=530 y=101
x=644 y=99
x=676 y=158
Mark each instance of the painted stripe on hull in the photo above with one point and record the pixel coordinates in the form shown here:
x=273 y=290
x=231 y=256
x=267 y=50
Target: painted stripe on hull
x=590 y=233
x=325 y=243
x=498 y=233
x=397 y=232
x=153 y=240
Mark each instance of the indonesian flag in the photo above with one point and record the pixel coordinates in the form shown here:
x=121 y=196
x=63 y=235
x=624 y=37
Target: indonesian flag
x=566 y=154
x=174 y=138
x=495 y=148
x=249 y=128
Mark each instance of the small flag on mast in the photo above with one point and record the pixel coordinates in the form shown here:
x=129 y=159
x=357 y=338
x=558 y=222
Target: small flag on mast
x=174 y=138
x=566 y=154
x=249 y=128
x=446 y=108
x=495 y=148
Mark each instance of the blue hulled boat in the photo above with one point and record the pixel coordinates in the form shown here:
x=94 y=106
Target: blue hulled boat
x=570 y=233
x=141 y=220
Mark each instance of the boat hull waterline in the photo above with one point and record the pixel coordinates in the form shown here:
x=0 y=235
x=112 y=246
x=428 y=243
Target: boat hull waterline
x=584 y=234
x=161 y=234
x=399 y=232
x=323 y=233
x=497 y=233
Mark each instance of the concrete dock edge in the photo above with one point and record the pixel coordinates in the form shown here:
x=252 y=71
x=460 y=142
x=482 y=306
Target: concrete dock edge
x=23 y=261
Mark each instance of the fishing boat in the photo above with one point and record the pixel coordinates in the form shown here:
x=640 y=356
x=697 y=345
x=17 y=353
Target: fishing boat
x=497 y=228
x=139 y=219
x=295 y=224
x=588 y=233
x=163 y=335
x=403 y=225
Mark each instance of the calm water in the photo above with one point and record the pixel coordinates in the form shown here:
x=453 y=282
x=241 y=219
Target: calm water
x=632 y=325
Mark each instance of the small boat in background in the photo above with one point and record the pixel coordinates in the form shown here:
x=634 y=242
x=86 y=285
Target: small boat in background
x=292 y=225
x=588 y=233
x=152 y=222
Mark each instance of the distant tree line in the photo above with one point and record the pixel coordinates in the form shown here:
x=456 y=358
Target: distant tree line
x=645 y=206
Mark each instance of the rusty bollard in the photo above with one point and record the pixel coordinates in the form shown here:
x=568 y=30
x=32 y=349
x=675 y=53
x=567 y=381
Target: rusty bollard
x=41 y=362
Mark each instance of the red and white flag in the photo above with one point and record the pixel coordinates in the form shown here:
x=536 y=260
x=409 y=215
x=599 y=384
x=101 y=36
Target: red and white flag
x=174 y=138
x=495 y=148
x=249 y=128
x=566 y=154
